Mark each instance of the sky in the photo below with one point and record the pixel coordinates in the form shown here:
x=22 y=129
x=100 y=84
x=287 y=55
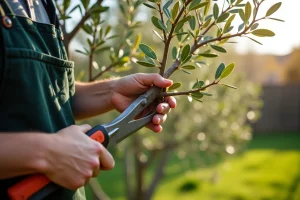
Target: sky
x=287 y=33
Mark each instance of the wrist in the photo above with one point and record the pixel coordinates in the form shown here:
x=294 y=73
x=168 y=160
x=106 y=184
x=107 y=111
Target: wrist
x=43 y=143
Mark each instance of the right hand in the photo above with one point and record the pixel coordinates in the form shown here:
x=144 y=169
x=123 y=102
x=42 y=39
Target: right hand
x=73 y=158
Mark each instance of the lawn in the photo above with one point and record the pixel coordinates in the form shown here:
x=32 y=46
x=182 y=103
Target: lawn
x=269 y=170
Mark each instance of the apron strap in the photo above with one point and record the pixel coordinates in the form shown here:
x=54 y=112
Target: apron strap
x=5 y=8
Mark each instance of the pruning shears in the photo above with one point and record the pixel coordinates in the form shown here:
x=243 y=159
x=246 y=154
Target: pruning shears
x=37 y=187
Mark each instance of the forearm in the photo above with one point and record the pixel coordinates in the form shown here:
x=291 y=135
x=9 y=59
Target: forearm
x=92 y=99
x=22 y=153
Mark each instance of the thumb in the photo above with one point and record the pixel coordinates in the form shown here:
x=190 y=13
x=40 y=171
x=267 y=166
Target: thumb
x=154 y=79
x=85 y=127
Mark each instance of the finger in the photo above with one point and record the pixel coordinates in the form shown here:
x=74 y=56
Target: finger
x=107 y=162
x=85 y=128
x=96 y=172
x=171 y=101
x=154 y=127
x=153 y=79
x=159 y=119
x=163 y=108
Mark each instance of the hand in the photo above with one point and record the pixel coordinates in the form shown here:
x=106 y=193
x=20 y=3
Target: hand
x=128 y=88
x=73 y=158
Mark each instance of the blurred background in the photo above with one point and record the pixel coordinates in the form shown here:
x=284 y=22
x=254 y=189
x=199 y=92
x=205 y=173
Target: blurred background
x=239 y=144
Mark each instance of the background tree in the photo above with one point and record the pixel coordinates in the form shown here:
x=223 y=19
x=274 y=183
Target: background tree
x=191 y=31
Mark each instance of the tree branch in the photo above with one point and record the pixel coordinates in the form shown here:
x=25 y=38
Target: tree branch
x=69 y=36
x=166 y=94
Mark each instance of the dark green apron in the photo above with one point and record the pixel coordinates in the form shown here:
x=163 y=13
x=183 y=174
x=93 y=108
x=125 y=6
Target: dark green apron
x=36 y=80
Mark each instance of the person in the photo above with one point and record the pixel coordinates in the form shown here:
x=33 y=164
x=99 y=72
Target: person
x=40 y=101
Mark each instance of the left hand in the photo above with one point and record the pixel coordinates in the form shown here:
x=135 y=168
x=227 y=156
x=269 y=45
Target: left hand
x=128 y=88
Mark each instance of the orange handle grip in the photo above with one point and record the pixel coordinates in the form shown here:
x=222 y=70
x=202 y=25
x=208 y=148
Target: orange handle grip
x=27 y=187
x=38 y=186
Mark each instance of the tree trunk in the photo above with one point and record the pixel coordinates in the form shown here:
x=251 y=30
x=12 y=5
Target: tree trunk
x=159 y=173
x=128 y=173
x=139 y=169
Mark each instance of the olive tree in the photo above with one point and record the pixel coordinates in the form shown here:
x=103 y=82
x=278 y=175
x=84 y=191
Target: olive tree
x=190 y=33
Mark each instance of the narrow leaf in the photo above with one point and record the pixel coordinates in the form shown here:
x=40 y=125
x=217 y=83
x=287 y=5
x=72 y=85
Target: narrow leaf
x=254 y=40
x=185 y=52
x=149 y=6
x=145 y=64
x=208 y=55
x=218 y=48
x=230 y=86
x=198 y=84
x=148 y=51
x=216 y=11
x=227 y=71
x=263 y=33
x=174 y=86
x=189 y=67
x=219 y=70
x=174 y=53
x=273 y=9
x=248 y=11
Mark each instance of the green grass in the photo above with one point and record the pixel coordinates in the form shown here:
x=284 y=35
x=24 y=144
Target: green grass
x=269 y=170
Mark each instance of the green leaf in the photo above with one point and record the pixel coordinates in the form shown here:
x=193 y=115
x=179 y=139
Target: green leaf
x=219 y=70
x=79 y=51
x=187 y=72
x=66 y=4
x=149 y=60
x=148 y=51
x=198 y=6
x=230 y=86
x=186 y=60
x=157 y=34
x=197 y=95
x=216 y=11
x=273 y=9
x=108 y=29
x=197 y=100
x=85 y=3
x=87 y=28
x=189 y=67
x=254 y=26
x=218 y=48
x=175 y=10
x=149 y=6
x=223 y=17
x=185 y=52
x=207 y=7
x=192 y=22
x=241 y=26
x=208 y=55
x=254 y=40
x=206 y=23
x=280 y=20
x=158 y=24
x=242 y=15
x=206 y=94
x=227 y=71
x=174 y=53
x=194 y=3
x=198 y=84
x=166 y=10
x=145 y=64
x=174 y=86
x=180 y=24
x=263 y=33
x=248 y=11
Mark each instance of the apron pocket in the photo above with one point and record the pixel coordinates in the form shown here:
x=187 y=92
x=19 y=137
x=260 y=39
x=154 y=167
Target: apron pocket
x=37 y=92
